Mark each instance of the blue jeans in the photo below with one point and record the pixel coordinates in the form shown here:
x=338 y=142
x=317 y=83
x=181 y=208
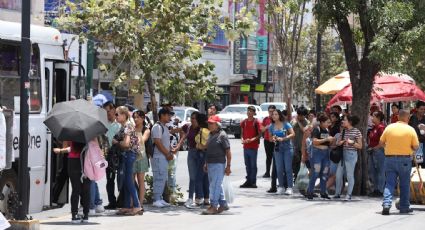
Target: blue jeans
x=160 y=175
x=348 y=163
x=129 y=187
x=250 y=157
x=202 y=181
x=283 y=158
x=94 y=195
x=193 y=161
x=397 y=167
x=216 y=175
x=376 y=164
x=319 y=162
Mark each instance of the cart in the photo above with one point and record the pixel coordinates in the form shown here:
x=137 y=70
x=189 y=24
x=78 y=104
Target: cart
x=417 y=189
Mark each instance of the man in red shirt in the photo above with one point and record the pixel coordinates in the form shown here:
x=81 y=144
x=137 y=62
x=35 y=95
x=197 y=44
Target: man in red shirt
x=269 y=149
x=268 y=142
x=376 y=154
x=250 y=134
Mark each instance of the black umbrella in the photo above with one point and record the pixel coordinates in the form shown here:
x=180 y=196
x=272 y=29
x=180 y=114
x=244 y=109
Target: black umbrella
x=77 y=120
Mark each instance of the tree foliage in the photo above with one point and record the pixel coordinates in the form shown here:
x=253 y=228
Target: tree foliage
x=332 y=61
x=286 y=24
x=377 y=35
x=160 y=40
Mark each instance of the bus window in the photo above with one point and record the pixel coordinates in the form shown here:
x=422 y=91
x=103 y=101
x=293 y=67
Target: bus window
x=10 y=77
x=59 y=88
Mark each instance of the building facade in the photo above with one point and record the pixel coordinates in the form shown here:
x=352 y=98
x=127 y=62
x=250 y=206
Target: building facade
x=10 y=10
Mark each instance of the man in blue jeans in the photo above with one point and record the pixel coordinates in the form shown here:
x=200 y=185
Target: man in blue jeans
x=400 y=141
x=250 y=133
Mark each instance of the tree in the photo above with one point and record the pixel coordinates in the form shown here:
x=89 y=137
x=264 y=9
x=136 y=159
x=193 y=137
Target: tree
x=332 y=61
x=376 y=35
x=159 y=41
x=286 y=22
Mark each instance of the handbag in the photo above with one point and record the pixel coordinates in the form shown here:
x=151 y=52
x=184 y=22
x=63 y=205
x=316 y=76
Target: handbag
x=337 y=153
x=419 y=154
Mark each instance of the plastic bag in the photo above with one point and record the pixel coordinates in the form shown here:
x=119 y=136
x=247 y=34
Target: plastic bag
x=419 y=154
x=229 y=194
x=302 y=179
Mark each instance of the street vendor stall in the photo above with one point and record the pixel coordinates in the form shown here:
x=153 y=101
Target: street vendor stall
x=386 y=88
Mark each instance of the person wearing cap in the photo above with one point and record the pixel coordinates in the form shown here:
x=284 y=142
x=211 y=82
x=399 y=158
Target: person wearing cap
x=251 y=133
x=162 y=154
x=218 y=161
x=175 y=134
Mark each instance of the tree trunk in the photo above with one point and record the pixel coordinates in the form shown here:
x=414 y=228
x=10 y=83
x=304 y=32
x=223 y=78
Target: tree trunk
x=362 y=88
x=362 y=75
x=151 y=89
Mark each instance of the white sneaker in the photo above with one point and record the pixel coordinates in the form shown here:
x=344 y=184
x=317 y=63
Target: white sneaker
x=280 y=190
x=347 y=198
x=199 y=201
x=288 y=191
x=165 y=203
x=158 y=204
x=100 y=209
x=92 y=212
x=188 y=203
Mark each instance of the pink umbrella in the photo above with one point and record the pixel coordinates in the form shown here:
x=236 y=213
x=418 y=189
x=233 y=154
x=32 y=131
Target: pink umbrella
x=386 y=88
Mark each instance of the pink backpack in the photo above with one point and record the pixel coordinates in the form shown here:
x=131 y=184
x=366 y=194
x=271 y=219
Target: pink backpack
x=94 y=161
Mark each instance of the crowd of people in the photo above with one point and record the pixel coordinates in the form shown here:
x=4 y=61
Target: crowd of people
x=133 y=145
x=328 y=144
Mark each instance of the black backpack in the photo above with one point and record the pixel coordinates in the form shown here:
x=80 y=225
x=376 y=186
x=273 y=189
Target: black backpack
x=336 y=154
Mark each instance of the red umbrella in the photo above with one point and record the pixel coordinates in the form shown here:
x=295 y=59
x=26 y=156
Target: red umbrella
x=386 y=88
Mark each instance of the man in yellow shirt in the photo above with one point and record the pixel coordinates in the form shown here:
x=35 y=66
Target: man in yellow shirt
x=400 y=141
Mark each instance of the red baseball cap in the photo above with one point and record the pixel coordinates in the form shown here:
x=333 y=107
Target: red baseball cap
x=214 y=119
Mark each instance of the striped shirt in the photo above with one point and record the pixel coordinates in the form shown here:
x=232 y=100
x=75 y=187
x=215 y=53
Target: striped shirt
x=353 y=134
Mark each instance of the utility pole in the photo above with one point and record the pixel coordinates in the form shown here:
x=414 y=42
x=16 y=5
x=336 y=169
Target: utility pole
x=23 y=179
x=319 y=60
x=268 y=60
x=77 y=90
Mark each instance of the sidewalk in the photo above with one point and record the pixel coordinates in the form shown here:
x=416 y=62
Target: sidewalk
x=255 y=209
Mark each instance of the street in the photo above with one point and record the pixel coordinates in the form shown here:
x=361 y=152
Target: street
x=252 y=209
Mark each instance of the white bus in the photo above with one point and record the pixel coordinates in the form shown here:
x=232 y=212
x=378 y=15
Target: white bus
x=50 y=83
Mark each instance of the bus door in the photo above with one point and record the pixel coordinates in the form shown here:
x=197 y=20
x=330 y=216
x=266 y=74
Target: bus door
x=57 y=82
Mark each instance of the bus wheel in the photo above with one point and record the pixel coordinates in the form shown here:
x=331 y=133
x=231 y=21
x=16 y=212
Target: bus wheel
x=8 y=190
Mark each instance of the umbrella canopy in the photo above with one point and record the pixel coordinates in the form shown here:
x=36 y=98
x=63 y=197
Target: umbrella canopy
x=334 y=84
x=386 y=88
x=78 y=121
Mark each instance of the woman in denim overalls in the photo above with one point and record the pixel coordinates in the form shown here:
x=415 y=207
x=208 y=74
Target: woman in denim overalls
x=282 y=134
